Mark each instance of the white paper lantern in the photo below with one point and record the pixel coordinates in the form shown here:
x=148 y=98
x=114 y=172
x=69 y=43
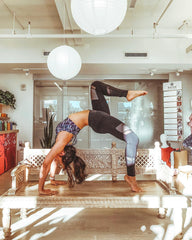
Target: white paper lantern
x=64 y=62
x=98 y=17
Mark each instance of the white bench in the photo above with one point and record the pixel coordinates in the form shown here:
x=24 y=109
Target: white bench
x=106 y=161
x=92 y=194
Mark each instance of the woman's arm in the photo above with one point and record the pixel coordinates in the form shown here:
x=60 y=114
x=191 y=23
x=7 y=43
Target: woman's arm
x=62 y=139
x=56 y=167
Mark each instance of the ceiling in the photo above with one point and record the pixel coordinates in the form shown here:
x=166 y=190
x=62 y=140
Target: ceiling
x=44 y=14
x=49 y=18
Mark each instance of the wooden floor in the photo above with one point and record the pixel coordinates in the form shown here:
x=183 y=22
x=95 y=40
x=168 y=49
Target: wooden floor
x=5 y=182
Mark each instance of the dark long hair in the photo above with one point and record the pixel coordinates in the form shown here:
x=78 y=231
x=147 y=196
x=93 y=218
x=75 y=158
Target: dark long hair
x=79 y=165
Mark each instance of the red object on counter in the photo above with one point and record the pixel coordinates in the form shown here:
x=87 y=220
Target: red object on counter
x=8 y=144
x=166 y=155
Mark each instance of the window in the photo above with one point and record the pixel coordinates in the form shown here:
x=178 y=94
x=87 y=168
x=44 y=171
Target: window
x=144 y=115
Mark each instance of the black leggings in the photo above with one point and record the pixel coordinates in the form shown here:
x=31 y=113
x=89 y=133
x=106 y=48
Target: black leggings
x=101 y=121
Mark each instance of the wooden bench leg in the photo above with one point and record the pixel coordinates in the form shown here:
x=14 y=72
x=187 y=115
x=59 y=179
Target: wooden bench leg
x=23 y=213
x=114 y=166
x=162 y=213
x=6 y=222
x=114 y=177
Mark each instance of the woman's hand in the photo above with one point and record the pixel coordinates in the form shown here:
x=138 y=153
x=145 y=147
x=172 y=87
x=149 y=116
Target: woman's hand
x=47 y=192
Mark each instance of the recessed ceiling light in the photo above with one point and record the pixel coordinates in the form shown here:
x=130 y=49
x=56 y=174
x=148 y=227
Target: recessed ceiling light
x=27 y=73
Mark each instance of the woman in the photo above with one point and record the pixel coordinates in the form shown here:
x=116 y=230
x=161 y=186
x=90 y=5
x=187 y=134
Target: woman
x=69 y=161
x=100 y=120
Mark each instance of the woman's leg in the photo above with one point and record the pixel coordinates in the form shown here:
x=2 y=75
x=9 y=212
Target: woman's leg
x=132 y=141
x=99 y=90
x=123 y=132
x=102 y=122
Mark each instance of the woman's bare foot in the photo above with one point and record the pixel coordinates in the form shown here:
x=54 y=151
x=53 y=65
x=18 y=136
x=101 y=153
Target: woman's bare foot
x=133 y=94
x=55 y=182
x=132 y=183
x=47 y=192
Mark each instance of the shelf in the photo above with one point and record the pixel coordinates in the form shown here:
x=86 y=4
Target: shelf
x=9 y=131
x=4 y=118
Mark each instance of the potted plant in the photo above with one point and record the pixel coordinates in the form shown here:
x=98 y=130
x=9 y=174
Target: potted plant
x=46 y=141
x=7 y=98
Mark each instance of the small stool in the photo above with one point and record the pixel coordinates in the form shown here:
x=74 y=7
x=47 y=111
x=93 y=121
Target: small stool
x=184 y=180
x=187 y=169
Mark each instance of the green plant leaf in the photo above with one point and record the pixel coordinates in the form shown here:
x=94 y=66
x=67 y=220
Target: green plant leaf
x=46 y=142
x=7 y=98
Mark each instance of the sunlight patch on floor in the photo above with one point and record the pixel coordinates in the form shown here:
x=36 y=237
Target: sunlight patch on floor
x=63 y=214
x=31 y=219
x=42 y=235
x=21 y=236
x=143 y=228
x=95 y=176
x=32 y=188
x=49 y=223
x=188 y=219
x=159 y=232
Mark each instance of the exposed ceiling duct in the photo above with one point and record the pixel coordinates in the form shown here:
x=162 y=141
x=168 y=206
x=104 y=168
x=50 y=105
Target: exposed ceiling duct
x=15 y=19
x=163 y=13
x=63 y=13
x=118 y=35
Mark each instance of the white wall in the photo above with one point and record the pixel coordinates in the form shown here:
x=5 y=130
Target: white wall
x=23 y=114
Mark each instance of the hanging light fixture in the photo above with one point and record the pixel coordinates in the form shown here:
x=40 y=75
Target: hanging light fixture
x=178 y=72
x=64 y=62
x=98 y=17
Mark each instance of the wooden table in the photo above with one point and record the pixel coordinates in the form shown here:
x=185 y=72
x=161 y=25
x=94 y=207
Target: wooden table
x=91 y=194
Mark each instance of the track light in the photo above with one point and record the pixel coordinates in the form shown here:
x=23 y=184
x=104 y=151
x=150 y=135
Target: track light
x=178 y=72
x=152 y=72
x=26 y=71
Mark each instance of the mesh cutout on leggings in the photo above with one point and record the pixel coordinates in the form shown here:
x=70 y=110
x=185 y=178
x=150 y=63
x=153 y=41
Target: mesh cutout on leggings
x=130 y=161
x=94 y=94
x=123 y=129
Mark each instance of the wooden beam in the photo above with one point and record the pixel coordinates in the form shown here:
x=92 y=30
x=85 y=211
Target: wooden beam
x=189 y=49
